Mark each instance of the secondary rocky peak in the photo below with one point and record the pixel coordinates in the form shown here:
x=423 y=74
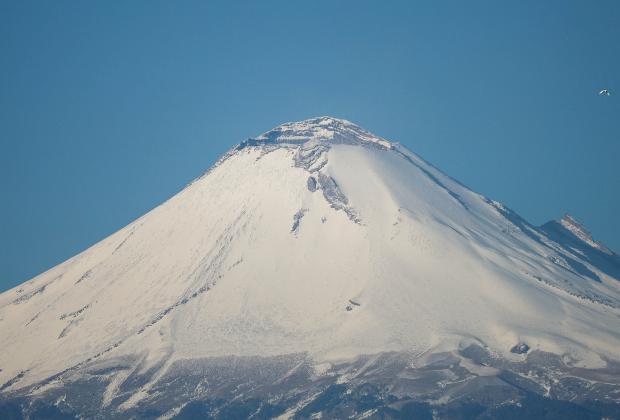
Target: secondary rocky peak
x=570 y=222
x=579 y=230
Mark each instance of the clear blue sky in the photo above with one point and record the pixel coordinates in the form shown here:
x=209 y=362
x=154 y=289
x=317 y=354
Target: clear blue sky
x=109 y=108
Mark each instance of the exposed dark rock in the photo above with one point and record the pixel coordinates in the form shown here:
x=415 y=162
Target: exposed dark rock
x=12 y=381
x=27 y=296
x=352 y=304
x=74 y=313
x=84 y=276
x=336 y=198
x=520 y=348
x=312 y=184
x=297 y=220
x=385 y=386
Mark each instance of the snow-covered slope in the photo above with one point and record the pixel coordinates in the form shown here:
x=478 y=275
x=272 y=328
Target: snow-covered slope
x=319 y=238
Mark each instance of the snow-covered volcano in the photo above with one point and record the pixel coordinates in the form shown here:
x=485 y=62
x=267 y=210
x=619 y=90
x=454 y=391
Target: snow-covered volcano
x=323 y=240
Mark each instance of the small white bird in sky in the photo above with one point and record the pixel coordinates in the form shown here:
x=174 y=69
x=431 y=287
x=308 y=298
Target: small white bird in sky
x=604 y=92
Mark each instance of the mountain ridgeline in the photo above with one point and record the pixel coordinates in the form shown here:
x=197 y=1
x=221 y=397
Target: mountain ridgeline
x=318 y=270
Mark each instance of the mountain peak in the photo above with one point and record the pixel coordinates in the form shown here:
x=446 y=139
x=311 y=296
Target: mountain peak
x=319 y=130
x=320 y=259
x=579 y=230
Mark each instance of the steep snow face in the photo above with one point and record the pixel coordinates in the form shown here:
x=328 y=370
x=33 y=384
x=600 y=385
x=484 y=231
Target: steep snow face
x=316 y=237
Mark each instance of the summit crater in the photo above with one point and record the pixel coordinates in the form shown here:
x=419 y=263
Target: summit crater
x=325 y=129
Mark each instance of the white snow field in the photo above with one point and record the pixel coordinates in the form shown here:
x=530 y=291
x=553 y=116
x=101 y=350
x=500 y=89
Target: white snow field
x=321 y=238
